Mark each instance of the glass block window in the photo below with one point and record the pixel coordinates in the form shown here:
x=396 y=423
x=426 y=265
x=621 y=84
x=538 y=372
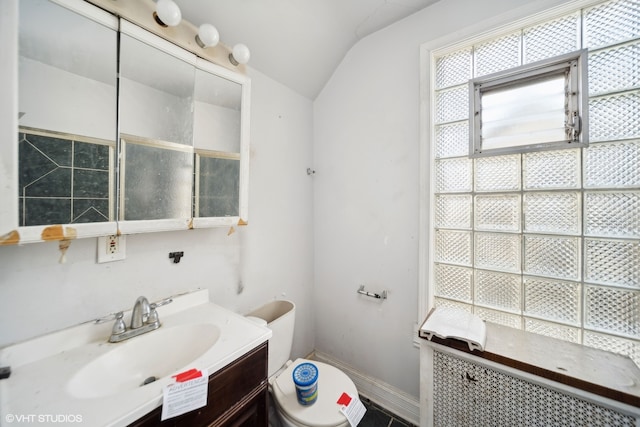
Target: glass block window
x=545 y=241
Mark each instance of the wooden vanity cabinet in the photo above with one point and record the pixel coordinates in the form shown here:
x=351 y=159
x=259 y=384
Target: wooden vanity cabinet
x=238 y=397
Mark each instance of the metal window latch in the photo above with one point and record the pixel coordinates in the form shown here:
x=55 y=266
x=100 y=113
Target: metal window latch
x=573 y=127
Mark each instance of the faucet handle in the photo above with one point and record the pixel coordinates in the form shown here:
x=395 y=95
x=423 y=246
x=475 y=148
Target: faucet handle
x=153 y=314
x=104 y=319
x=119 y=326
x=161 y=302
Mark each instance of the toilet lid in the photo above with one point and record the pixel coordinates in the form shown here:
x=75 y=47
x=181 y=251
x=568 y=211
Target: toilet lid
x=325 y=412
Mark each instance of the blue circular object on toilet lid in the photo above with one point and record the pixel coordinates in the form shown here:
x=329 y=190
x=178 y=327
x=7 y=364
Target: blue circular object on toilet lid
x=305 y=374
x=325 y=412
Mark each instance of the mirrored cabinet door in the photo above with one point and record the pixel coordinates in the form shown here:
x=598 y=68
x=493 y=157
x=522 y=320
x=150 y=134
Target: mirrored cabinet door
x=156 y=130
x=221 y=146
x=119 y=130
x=218 y=106
x=67 y=119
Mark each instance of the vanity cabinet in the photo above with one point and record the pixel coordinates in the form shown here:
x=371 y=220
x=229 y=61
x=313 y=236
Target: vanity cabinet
x=238 y=397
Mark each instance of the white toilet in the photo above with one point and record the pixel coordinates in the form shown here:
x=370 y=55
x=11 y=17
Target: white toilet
x=279 y=316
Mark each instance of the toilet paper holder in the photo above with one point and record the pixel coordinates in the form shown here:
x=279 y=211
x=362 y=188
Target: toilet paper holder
x=382 y=295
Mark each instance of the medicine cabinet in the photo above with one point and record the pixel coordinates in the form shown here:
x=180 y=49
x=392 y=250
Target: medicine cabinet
x=120 y=131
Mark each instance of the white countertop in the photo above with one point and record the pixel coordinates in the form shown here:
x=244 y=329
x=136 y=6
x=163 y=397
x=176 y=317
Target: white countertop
x=37 y=392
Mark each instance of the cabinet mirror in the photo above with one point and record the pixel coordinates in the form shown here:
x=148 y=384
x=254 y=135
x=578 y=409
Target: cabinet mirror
x=162 y=147
x=217 y=141
x=156 y=131
x=67 y=120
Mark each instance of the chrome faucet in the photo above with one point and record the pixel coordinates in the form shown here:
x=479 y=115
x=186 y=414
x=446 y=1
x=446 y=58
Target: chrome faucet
x=140 y=313
x=144 y=318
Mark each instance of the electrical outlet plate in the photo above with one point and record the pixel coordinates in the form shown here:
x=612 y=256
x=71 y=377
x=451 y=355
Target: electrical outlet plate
x=111 y=248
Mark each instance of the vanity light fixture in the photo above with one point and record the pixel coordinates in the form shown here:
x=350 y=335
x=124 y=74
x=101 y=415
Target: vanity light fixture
x=239 y=55
x=207 y=36
x=167 y=13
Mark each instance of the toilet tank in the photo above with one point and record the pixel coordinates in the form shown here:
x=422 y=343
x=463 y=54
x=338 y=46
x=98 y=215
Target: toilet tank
x=280 y=318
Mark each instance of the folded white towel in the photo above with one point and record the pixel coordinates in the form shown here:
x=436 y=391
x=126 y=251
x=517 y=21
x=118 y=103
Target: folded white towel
x=448 y=322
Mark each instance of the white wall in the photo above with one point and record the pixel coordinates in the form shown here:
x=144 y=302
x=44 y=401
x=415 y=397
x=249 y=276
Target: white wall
x=366 y=199
x=270 y=258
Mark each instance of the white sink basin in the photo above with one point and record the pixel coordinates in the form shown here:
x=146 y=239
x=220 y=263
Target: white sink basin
x=77 y=371
x=147 y=357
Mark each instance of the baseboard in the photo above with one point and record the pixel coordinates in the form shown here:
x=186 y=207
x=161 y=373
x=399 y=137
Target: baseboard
x=385 y=395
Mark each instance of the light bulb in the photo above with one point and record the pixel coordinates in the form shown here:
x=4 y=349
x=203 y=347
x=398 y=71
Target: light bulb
x=207 y=36
x=240 y=54
x=168 y=13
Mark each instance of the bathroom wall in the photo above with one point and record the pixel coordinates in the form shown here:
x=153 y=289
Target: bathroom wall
x=269 y=258
x=366 y=199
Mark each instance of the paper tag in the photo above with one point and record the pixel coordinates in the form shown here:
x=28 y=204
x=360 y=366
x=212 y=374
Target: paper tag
x=352 y=408
x=185 y=394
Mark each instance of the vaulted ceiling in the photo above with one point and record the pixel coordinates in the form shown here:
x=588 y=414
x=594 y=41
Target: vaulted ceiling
x=298 y=43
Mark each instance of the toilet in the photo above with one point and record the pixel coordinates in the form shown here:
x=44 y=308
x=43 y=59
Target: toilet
x=279 y=316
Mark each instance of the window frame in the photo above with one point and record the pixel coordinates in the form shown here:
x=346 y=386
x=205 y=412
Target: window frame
x=573 y=65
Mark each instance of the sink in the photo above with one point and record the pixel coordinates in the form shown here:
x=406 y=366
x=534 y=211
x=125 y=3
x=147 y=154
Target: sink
x=141 y=359
x=77 y=371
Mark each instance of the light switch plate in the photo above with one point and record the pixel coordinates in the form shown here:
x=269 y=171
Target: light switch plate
x=111 y=248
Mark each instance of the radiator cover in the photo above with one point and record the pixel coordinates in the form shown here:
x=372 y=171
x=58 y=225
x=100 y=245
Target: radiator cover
x=469 y=394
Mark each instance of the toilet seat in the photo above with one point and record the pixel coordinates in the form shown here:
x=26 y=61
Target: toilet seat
x=325 y=412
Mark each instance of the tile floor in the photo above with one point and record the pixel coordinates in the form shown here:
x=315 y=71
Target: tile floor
x=379 y=417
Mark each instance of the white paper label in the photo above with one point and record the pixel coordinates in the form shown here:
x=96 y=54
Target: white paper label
x=182 y=397
x=354 y=410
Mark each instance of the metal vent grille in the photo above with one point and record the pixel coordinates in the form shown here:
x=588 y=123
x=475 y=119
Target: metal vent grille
x=468 y=394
